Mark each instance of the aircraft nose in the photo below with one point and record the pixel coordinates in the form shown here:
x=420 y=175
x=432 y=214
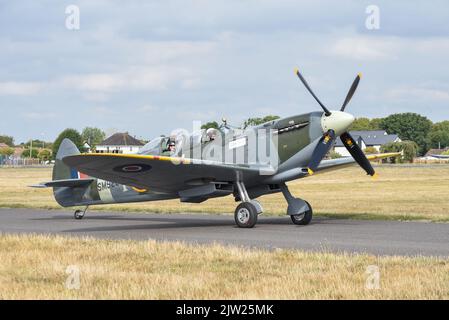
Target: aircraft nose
x=338 y=121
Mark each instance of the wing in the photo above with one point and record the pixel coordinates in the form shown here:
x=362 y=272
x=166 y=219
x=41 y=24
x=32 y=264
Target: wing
x=328 y=165
x=158 y=173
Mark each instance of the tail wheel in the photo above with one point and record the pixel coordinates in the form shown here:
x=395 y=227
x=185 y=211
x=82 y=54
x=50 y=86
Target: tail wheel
x=303 y=218
x=79 y=214
x=245 y=215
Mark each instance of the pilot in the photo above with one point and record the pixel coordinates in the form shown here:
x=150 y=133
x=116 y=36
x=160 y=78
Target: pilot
x=170 y=148
x=211 y=134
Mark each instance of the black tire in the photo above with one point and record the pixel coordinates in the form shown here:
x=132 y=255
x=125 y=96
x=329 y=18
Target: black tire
x=245 y=215
x=303 y=219
x=78 y=214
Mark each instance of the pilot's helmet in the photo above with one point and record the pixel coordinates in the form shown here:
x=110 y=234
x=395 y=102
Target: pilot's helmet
x=211 y=133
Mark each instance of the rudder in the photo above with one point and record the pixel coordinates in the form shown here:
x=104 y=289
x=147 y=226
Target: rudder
x=61 y=170
x=78 y=192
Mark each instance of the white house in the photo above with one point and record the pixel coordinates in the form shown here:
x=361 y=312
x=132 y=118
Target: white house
x=364 y=139
x=119 y=143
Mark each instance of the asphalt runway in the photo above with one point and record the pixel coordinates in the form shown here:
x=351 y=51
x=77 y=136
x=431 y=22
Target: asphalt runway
x=335 y=235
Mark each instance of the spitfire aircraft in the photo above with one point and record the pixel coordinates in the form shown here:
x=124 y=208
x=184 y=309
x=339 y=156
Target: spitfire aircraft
x=212 y=163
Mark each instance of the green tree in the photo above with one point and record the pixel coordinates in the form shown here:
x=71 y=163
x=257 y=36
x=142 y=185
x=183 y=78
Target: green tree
x=7 y=151
x=409 y=126
x=212 y=124
x=409 y=150
x=36 y=143
x=364 y=124
x=256 y=121
x=71 y=134
x=26 y=153
x=439 y=135
x=370 y=150
x=93 y=136
x=44 y=155
x=375 y=124
x=7 y=140
x=360 y=124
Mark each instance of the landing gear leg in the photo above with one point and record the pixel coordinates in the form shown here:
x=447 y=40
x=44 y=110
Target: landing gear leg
x=300 y=211
x=246 y=213
x=79 y=214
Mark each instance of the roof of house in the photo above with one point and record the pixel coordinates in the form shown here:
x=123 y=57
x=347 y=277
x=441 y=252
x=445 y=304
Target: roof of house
x=3 y=145
x=121 y=139
x=370 y=138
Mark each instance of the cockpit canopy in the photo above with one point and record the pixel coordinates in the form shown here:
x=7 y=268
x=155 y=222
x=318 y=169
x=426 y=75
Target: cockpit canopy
x=155 y=146
x=185 y=142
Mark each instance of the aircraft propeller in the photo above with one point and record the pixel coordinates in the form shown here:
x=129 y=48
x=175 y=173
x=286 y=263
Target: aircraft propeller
x=329 y=136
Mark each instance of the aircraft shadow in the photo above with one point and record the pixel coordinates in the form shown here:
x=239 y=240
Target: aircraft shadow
x=171 y=222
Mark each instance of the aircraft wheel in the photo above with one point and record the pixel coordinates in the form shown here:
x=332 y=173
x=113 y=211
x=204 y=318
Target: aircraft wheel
x=245 y=215
x=79 y=214
x=303 y=218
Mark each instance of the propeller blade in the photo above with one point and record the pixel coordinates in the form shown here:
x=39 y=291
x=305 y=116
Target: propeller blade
x=357 y=153
x=351 y=91
x=320 y=151
x=326 y=110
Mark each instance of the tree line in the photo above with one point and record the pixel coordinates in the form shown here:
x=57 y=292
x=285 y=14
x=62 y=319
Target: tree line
x=410 y=127
x=47 y=150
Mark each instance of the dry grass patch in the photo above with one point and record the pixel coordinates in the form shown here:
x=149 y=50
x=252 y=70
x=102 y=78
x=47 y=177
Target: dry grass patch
x=400 y=193
x=34 y=267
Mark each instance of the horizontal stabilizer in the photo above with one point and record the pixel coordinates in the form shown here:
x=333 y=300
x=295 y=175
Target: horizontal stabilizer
x=70 y=183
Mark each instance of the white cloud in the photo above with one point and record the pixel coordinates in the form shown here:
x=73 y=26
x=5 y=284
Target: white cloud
x=146 y=108
x=203 y=116
x=96 y=96
x=20 y=88
x=416 y=92
x=191 y=83
x=384 y=48
x=39 y=115
x=166 y=51
x=94 y=82
x=367 y=48
x=134 y=78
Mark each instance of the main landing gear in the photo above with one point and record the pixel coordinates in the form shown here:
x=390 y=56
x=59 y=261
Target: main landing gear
x=79 y=214
x=300 y=211
x=246 y=213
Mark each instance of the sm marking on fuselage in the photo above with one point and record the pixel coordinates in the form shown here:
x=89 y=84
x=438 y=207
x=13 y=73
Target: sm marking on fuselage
x=103 y=185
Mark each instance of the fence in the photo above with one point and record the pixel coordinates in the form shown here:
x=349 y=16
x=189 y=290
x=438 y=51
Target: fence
x=21 y=162
x=430 y=161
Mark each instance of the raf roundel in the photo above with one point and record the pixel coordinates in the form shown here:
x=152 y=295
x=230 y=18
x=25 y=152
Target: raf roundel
x=132 y=168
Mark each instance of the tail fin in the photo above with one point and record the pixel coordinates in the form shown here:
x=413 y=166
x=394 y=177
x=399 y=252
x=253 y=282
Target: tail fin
x=61 y=171
x=70 y=187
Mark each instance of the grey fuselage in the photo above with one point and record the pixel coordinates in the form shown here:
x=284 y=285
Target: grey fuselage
x=291 y=140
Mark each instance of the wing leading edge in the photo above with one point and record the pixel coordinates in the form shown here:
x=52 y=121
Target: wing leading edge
x=328 y=165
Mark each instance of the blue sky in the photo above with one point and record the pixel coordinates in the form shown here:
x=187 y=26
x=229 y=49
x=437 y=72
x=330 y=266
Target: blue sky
x=148 y=67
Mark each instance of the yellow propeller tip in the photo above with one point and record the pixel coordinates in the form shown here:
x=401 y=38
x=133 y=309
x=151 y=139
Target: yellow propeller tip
x=375 y=176
x=359 y=74
x=310 y=171
x=296 y=70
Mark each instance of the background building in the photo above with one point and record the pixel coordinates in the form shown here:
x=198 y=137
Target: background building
x=119 y=143
x=365 y=139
